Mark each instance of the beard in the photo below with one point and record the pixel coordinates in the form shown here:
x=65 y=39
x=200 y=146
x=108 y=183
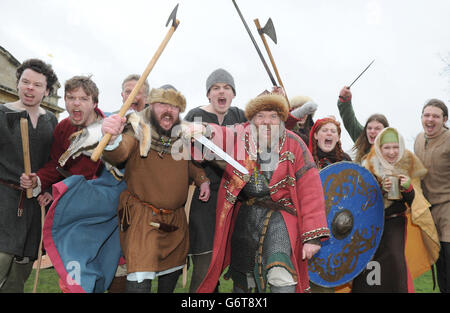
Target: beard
x=268 y=140
x=155 y=122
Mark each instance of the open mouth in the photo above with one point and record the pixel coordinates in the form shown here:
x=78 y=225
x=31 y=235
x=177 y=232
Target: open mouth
x=77 y=115
x=222 y=101
x=166 y=121
x=429 y=128
x=29 y=97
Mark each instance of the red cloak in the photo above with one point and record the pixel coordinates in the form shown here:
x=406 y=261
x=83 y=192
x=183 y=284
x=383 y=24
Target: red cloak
x=295 y=183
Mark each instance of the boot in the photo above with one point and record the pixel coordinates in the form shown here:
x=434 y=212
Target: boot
x=135 y=287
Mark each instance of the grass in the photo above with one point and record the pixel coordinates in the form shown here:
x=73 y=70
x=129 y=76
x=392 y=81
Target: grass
x=48 y=283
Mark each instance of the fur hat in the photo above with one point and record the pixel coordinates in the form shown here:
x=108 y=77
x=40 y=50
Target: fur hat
x=168 y=94
x=267 y=102
x=220 y=76
x=307 y=105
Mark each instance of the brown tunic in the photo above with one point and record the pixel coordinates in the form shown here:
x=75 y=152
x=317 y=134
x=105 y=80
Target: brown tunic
x=163 y=183
x=435 y=155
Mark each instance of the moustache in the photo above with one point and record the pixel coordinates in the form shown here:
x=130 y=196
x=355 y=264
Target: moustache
x=164 y=115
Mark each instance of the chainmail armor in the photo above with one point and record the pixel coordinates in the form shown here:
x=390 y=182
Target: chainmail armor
x=249 y=224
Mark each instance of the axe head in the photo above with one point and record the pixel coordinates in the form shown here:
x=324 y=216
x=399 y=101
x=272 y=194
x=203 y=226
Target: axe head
x=14 y=117
x=173 y=17
x=269 y=30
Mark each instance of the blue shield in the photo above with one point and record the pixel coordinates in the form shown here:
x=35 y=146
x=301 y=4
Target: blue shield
x=355 y=216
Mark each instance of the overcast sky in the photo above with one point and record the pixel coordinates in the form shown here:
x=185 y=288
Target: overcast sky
x=322 y=46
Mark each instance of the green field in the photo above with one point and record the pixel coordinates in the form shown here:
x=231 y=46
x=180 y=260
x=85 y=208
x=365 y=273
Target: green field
x=48 y=283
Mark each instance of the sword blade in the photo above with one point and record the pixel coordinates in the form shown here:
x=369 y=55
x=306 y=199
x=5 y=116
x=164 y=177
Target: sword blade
x=361 y=74
x=222 y=154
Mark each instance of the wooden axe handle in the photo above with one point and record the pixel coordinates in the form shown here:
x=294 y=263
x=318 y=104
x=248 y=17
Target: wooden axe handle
x=187 y=209
x=107 y=137
x=26 y=151
x=269 y=53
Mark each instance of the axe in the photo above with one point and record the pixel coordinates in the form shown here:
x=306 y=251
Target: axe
x=274 y=83
x=27 y=165
x=107 y=137
x=269 y=30
x=26 y=151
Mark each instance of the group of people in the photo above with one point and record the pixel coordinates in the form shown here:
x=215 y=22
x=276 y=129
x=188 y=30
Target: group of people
x=263 y=226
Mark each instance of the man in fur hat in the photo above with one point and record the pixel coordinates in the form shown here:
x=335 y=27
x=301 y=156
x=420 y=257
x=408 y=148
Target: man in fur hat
x=153 y=224
x=271 y=221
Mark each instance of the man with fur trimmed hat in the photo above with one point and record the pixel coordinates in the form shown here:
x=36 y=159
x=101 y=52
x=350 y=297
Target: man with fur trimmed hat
x=270 y=221
x=220 y=91
x=154 y=229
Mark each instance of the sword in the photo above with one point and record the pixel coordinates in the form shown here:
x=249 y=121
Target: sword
x=361 y=73
x=220 y=153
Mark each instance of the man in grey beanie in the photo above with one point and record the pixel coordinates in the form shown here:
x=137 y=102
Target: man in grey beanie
x=220 y=76
x=220 y=91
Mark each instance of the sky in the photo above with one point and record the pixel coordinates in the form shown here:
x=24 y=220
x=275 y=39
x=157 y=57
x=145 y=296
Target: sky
x=322 y=46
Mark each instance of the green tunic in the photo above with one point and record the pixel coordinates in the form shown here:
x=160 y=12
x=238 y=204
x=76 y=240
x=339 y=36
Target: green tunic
x=351 y=124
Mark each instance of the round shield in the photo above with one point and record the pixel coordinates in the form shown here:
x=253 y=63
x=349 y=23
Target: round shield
x=355 y=217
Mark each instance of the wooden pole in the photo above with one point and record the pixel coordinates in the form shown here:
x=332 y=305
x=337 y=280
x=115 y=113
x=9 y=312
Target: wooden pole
x=107 y=137
x=26 y=151
x=187 y=210
x=36 y=277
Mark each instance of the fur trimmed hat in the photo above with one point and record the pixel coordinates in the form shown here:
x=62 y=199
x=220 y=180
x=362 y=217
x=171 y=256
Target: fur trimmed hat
x=267 y=102
x=168 y=94
x=298 y=101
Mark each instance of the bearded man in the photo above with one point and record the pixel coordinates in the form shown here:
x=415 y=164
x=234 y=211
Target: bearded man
x=154 y=230
x=270 y=221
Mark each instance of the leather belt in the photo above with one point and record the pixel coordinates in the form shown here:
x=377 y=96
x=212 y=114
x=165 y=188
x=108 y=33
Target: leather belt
x=22 y=195
x=152 y=207
x=268 y=203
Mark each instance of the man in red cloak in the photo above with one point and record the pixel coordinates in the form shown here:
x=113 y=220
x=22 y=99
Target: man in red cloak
x=270 y=221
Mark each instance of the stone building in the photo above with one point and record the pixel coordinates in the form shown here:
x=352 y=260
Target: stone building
x=8 y=83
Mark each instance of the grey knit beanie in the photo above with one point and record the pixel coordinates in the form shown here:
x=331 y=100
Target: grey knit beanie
x=220 y=76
